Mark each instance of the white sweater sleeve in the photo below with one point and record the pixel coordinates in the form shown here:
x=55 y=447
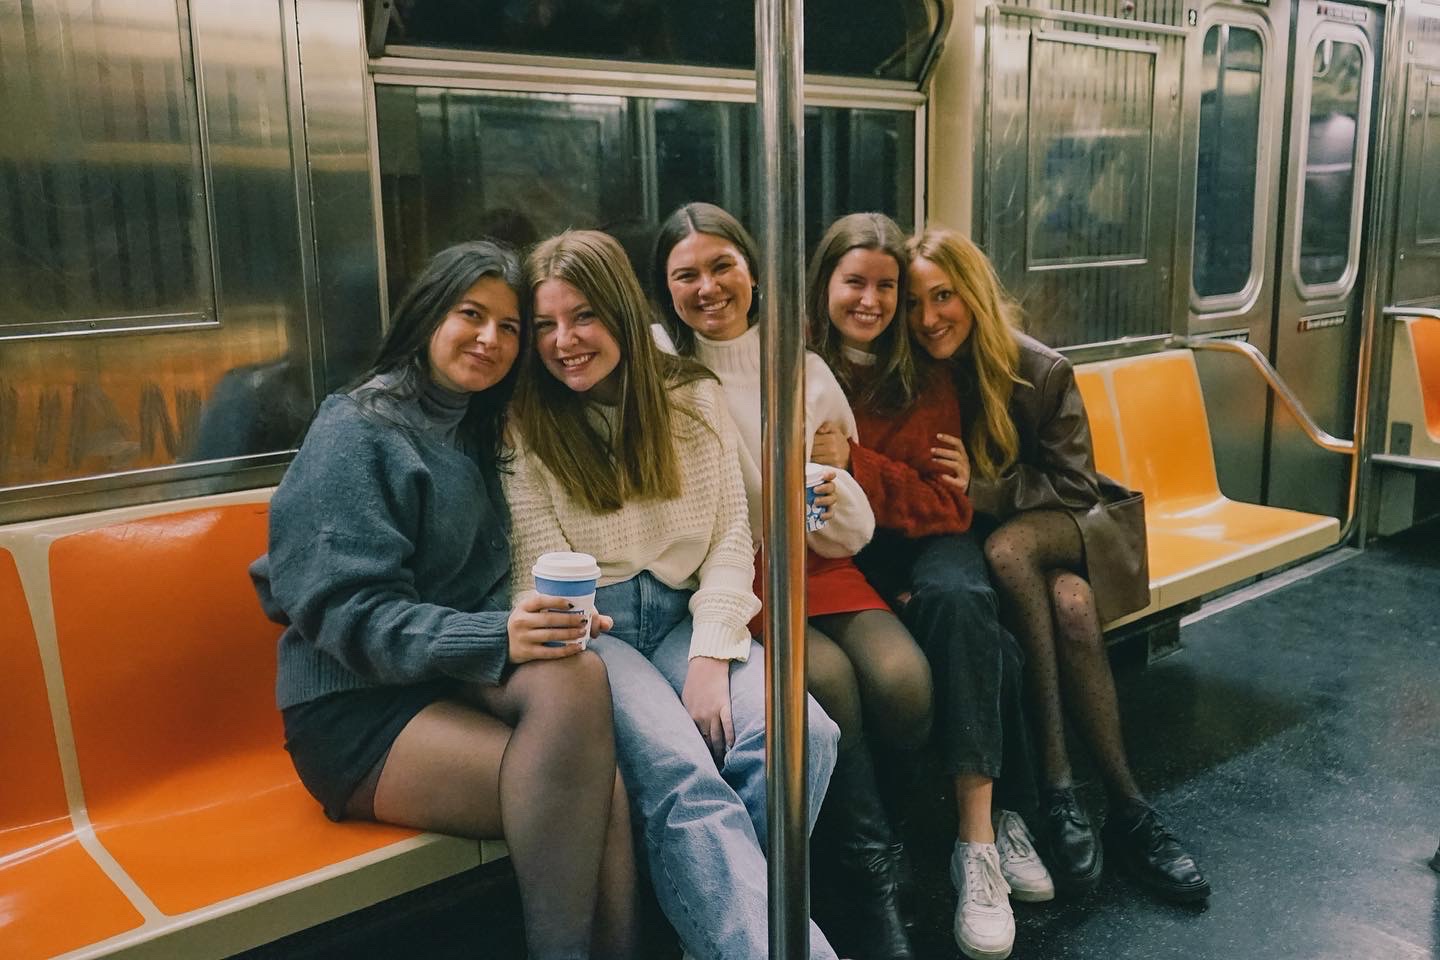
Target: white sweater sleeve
x=853 y=522
x=725 y=601
x=534 y=524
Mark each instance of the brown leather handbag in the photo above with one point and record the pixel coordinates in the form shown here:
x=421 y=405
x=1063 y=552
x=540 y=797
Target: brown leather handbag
x=1116 y=557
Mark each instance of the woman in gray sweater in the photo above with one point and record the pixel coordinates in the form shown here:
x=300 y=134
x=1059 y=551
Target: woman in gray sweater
x=411 y=692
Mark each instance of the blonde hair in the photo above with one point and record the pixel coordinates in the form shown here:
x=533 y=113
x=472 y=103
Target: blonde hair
x=639 y=461
x=992 y=361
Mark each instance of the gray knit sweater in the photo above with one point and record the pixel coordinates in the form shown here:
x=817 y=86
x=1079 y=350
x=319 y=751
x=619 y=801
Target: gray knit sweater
x=389 y=552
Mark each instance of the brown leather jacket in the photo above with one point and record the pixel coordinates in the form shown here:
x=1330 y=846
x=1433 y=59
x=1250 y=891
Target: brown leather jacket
x=1055 y=470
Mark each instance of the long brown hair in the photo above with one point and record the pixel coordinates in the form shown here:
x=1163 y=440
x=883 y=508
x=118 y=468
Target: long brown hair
x=893 y=383
x=639 y=461
x=991 y=358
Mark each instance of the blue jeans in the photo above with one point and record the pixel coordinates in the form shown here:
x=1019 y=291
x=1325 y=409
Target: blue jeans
x=704 y=828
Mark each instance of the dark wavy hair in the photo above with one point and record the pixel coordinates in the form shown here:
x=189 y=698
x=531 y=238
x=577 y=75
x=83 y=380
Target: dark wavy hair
x=698 y=218
x=417 y=316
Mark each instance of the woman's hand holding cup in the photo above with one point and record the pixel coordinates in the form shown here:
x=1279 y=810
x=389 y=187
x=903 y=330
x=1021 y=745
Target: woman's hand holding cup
x=542 y=628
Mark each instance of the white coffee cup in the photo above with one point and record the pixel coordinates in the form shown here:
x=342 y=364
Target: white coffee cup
x=573 y=576
x=814 y=476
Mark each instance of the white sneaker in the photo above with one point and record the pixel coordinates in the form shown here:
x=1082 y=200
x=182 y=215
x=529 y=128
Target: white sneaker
x=984 y=923
x=1020 y=865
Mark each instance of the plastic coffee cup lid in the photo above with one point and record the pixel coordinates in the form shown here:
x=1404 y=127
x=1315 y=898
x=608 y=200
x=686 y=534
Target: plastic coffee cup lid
x=566 y=566
x=815 y=473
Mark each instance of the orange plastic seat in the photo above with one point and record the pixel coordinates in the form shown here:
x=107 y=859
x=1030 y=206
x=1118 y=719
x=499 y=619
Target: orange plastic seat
x=1104 y=431
x=1199 y=540
x=53 y=896
x=1425 y=338
x=169 y=668
x=1167 y=437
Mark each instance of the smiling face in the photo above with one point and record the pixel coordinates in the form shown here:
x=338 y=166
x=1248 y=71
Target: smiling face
x=861 y=295
x=939 y=317
x=711 y=286
x=476 y=344
x=574 y=343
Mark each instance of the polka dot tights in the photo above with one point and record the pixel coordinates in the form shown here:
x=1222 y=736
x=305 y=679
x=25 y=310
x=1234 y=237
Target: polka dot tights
x=1034 y=561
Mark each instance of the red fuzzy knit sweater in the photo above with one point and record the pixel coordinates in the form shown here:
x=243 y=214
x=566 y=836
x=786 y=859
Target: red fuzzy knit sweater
x=894 y=465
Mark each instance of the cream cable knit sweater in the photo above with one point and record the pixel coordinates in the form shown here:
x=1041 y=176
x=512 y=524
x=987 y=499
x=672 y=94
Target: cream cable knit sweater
x=699 y=540
x=737 y=363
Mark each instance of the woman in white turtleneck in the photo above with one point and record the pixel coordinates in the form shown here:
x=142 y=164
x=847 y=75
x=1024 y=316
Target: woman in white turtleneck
x=865 y=668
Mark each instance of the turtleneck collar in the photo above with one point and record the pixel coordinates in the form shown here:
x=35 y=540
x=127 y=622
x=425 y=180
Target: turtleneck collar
x=858 y=357
x=418 y=402
x=735 y=356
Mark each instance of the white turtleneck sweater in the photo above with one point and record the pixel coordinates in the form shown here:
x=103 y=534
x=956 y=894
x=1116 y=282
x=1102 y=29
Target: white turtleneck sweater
x=737 y=363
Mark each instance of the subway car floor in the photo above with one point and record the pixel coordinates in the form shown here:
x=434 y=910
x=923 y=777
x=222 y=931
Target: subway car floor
x=1293 y=741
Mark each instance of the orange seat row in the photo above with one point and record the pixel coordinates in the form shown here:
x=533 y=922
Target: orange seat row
x=1414 y=406
x=159 y=813
x=1150 y=432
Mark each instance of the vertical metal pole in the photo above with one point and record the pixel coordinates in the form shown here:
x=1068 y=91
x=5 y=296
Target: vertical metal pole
x=780 y=71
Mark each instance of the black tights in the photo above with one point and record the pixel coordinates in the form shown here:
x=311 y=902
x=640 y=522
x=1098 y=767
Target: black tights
x=532 y=760
x=1034 y=558
x=865 y=668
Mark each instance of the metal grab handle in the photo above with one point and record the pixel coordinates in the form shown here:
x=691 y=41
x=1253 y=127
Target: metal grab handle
x=1409 y=313
x=1282 y=390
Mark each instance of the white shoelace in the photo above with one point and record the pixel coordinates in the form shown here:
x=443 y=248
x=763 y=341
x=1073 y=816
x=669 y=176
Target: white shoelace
x=983 y=882
x=1018 y=848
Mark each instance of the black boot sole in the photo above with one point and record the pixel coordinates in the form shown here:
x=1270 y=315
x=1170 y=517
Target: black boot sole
x=1171 y=893
x=1074 y=886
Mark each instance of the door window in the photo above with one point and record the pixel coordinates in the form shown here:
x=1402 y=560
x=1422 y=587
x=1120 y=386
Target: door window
x=1225 y=178
x=1339 y=85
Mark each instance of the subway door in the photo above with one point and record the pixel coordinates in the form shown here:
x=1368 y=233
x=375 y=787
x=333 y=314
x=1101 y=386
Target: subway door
x=1316 y=340
x=1237 y=65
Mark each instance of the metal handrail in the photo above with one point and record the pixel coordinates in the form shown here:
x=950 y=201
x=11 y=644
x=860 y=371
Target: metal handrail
x=1317 y=434
x=1415 y=313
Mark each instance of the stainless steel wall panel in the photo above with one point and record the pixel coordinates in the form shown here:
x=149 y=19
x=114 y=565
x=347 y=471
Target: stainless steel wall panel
x=104 y=223
x=1417 y=227
x=334 y=85
x=84 y=419
x=1079 y=163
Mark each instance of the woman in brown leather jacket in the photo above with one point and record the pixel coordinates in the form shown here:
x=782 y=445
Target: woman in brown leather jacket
x=1066 y=549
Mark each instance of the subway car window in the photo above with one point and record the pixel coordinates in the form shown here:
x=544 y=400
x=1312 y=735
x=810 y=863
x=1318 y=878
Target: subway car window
x=853 y=38
x=1337 y=82
x=1427 y=226
x=1230 y=75
x=461 y=163
x=1089 y=177
x=103 y=219
x=106 y=228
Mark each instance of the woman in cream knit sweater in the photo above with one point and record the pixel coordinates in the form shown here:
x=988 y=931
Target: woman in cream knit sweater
x=864 y=665
x=630 y=455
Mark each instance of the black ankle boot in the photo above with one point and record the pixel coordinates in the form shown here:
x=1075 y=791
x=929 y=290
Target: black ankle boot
x=1072 y=851
x=868 y=857
x=1152 y=854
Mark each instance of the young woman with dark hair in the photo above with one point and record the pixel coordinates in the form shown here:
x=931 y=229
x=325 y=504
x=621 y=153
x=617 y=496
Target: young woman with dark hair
x=411 y=692
x=629 y=454
x=864 y=667
x=923 y=557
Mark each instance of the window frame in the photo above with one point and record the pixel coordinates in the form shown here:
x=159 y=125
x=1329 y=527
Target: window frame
x=1341 y=286
x=1242 y=300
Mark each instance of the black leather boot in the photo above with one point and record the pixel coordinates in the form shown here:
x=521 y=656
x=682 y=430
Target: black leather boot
x=1072 y=850
x=1152 y=854
x=866 y=856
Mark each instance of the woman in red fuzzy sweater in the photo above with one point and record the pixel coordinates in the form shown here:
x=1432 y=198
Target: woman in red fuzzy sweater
x=922 y=557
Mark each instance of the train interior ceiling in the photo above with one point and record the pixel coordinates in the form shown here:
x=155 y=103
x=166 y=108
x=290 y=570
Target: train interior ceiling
x=206 y=210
